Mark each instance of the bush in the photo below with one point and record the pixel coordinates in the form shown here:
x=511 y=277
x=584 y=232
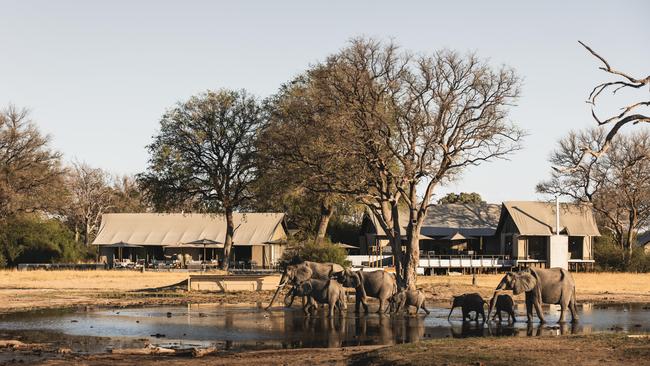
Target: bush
x=610 y=257
x=324 y=251
x=33 y=239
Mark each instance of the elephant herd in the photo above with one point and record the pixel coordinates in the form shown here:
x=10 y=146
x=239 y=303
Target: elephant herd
x=326 y=283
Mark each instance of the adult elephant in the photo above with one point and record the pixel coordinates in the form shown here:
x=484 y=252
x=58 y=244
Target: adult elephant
x=299 y=272
x=378 y=284
x=548 y=286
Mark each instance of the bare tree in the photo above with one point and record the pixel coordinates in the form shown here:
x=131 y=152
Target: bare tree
x=90 y=196
x=204 y=156
x=629 y=114
x=616 y=183
x=416 y=122
x=30 y=171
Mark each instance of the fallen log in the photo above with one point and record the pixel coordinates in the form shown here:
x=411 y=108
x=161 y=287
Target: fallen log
x=200 y=352
x=144 y=351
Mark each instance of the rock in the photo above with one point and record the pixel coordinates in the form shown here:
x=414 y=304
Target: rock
x=169 y=315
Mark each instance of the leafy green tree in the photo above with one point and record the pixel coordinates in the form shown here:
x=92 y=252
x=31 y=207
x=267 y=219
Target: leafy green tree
x=34 y=239
x=462 y=197
x=203 y=157
x=310 y=250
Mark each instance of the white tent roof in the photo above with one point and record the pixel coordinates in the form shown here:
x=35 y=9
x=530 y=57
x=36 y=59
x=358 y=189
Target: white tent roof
x=172 y=229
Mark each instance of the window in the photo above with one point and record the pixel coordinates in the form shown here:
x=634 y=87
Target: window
x=537 y=247
x=575 y=246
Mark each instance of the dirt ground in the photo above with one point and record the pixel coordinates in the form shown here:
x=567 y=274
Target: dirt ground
x=32 y=290
x=24 y=291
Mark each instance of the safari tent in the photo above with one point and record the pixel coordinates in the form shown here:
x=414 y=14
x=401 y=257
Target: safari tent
x=258 y=238
x=527 y=231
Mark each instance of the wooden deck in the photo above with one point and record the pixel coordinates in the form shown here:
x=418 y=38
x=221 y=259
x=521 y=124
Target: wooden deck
x=229 y=283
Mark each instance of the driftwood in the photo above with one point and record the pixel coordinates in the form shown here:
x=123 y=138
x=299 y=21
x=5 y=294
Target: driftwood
x=12 y=344
x=153 y=350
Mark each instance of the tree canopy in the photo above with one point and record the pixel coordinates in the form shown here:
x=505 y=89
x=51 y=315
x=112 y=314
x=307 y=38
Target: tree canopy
x=203 y=157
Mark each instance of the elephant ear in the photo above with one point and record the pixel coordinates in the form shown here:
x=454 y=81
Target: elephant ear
x=302 y=273
x=523 y=282
x=355 y=279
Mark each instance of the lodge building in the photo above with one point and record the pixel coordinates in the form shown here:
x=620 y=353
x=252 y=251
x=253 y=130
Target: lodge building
x=513 y=234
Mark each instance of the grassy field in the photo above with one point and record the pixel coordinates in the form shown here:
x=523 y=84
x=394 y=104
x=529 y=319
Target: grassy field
x=28 y=290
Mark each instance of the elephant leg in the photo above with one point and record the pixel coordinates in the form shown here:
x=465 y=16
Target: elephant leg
x=423 y=307
x=512 y=314
x=562 y=313
x=381 y=306
x=574 y=310
x=529 y=308
x=365 y=304
x=332 y=305
x=538 y=309
x=500 y=318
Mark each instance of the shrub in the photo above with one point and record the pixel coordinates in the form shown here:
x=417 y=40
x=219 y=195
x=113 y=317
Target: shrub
x=609 y=256
x=308 y=250
x=33 y=239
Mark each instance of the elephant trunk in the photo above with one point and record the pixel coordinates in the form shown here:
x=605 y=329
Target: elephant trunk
x=501 y=285
x=277 y=291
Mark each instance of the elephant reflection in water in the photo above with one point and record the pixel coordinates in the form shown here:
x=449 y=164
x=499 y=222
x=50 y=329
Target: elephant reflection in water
x=409 y=329
x=559 y=329
x=379 y=329
x=503 y=330
x=468 y=329
x=333 y=330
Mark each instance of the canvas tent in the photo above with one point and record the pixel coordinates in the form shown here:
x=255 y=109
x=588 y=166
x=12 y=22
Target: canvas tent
x=527 y=231
x=258 y=237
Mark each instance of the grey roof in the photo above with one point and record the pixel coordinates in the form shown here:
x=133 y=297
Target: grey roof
x=449 y=219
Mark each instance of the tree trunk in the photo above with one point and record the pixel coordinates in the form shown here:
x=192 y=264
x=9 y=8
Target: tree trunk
x=227 y=247
x=396 y=245
x=86 y=234
x=412 y=257
x=629 y=240
x=326 y=211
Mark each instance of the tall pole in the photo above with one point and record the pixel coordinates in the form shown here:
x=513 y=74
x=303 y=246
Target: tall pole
x=557 y=215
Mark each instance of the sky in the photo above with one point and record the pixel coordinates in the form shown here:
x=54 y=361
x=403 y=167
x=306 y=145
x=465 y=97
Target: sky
x=97 y=76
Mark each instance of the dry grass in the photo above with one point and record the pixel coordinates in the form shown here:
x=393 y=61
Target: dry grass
x=87 y=280
x=629 y=283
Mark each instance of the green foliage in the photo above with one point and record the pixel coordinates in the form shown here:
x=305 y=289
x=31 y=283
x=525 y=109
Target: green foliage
x=308 y=250
x=462 y=197
x=344 y=232
x=31 y=239
x=609 y=256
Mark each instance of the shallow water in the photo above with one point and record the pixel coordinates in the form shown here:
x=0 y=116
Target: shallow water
x=250 y=327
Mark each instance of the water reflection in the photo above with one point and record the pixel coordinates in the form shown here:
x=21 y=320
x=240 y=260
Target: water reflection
x=249 y=327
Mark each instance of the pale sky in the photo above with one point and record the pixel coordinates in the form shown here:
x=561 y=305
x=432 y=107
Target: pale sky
x=98 y=76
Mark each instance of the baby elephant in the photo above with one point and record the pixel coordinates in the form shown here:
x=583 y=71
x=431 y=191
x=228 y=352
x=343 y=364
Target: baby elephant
x=503 y=302
x=405 y=298
x=321 y=292
x=468 y=303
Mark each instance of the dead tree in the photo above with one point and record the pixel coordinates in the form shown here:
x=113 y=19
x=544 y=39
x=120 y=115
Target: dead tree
x=630 y=114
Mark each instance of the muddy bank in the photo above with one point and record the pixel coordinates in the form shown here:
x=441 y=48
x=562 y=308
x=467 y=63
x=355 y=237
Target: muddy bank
x=575 y=350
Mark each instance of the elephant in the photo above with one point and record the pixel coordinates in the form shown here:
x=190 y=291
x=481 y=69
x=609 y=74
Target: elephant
x=469 y=303
x=298 y=272
x=502 y=302
x=321 y=292
x=548 y=286
x=378 y=284
x=405 y=298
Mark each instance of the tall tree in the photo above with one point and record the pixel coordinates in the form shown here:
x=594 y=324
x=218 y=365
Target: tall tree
x=616 y=183
x=415 y=122
x=299 y=159
x=203 y=157
x=31 y=174
x=90 y=196
x=127 y=195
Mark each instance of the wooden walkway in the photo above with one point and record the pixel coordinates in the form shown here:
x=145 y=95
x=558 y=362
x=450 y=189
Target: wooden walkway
x=229 y=283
